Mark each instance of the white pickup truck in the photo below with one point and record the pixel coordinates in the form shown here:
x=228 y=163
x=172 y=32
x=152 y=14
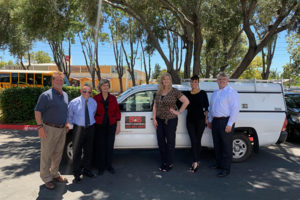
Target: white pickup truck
x=261 y=120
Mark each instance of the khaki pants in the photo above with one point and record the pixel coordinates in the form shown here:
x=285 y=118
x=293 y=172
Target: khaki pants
x=52 y=148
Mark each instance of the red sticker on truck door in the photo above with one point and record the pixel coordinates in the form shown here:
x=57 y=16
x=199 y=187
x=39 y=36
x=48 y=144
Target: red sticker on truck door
x=135 y=122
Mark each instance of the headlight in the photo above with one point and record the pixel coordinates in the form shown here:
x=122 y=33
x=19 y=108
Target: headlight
x=295 y=118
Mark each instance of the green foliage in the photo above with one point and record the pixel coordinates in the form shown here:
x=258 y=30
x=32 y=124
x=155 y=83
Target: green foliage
x=40 y=57
x=156 y=72
x=17 y=104
x=254 y=69
x=3 y=64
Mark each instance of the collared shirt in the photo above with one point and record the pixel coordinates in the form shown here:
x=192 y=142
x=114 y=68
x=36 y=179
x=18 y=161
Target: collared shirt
x=76 y=111
x=53 y=106
x=224 y=103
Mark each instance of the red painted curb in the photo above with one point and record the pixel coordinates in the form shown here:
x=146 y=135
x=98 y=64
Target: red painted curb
x=18 y=127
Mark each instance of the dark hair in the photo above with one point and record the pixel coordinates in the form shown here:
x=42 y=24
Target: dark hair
x=195 y=78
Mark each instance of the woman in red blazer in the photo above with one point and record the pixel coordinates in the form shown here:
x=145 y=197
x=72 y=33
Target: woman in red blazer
x=107 y=126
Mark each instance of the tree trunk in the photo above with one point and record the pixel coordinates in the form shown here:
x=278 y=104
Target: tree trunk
x=188 y=59
x=198 y=41
x=251 y=53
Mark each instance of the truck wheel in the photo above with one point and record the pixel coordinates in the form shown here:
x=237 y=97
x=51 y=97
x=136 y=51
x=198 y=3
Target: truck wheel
x=241 y=148
x=68 y=151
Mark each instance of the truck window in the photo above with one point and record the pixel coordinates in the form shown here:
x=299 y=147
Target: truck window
x=139 y=102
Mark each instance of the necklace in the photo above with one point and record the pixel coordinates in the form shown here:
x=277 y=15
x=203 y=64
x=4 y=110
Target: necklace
x=195 y=92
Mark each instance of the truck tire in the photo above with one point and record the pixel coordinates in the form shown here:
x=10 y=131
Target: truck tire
x=68 y=150
x=241 y=148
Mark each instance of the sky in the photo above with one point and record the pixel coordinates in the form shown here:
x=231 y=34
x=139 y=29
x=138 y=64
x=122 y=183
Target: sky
x=106 y=55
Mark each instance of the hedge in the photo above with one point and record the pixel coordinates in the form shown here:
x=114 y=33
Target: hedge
x=17 y=104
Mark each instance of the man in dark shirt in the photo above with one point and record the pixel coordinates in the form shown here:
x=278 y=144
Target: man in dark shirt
x=51 y=116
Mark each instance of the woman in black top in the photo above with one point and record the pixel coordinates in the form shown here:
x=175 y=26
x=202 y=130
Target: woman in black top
x=196 y=118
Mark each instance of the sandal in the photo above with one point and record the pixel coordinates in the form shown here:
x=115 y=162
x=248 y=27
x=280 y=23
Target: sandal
x=195 y=167
x=163 y=167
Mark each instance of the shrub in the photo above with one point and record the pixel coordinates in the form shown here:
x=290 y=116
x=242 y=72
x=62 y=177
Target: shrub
x=17 y=104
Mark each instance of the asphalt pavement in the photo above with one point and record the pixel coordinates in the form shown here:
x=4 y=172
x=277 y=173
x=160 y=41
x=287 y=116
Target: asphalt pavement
x=273 y=173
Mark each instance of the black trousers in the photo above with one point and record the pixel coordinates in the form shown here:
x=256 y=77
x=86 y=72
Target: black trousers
x=195 y=130
x=222 y=143
x=83 y=139
x=166 y=135
x=105 y=140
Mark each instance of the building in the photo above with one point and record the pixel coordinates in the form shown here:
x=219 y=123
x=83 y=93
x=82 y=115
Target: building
x=80 y=75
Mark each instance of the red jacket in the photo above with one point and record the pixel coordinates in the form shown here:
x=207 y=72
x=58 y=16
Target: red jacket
x=113 y=112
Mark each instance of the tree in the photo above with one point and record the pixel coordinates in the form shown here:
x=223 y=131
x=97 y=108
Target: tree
x=5 y=22
x=156 y=71
x=116 y=37
x=253 y=71
x=149 y=14
x=285 y=15
x=267 y=58
x=90 y=34
x=3 y=64
x=291 y=70
x=294 y=50
x=147 y=69
x=132 y=35
x=57 y=16
x=40 y=57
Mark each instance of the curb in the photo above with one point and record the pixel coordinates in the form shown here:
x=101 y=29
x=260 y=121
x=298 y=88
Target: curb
x=19 y=127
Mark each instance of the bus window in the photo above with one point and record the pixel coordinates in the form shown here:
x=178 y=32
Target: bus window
x=38 y=79
x=4 y=78
x=14 y=78
x=30 y=79
x=47 y=81
x=22 y=78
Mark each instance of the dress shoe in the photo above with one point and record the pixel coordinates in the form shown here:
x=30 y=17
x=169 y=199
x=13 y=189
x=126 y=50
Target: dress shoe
x=163 y=167
x=88 y=173
x=76 y=179
x=166 y=168
x=60 y=179
x=111 y=170
x=170 y=167
x=50 y=185
x=223 y=173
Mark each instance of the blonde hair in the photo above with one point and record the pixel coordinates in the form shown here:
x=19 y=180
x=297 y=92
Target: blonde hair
x=56 y=74
x=161 y=86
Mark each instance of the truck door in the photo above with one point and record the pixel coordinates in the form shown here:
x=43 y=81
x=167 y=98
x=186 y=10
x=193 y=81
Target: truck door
x=137 y=130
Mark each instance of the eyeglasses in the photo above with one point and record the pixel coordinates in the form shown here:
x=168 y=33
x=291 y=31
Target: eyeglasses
x=86 y=92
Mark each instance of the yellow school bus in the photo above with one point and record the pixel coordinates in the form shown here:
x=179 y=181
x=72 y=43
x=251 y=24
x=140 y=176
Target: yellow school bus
x=24 y=78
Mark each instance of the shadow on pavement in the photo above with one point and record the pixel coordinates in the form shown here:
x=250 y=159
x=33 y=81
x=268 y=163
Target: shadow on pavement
x=21 y=150
x=274 y=173
x=56 y=194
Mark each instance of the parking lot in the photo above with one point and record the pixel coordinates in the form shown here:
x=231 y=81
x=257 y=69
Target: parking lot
x=274 y=173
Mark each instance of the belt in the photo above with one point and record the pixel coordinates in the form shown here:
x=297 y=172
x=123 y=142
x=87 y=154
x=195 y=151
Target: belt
x=55 y=125
x=220 y=117
x=83 y=126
